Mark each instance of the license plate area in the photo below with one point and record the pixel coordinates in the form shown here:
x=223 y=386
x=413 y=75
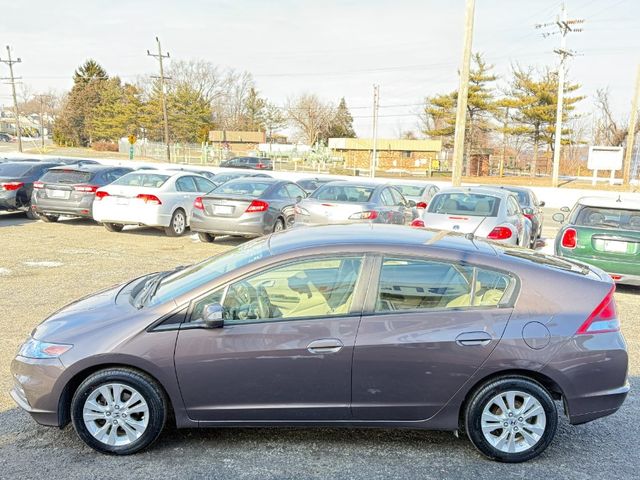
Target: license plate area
x=223 y=209
x=61 y=194
x=614 y=246
x=122 y=201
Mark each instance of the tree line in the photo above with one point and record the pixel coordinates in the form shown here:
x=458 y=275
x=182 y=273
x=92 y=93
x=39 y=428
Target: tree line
x=200 y=97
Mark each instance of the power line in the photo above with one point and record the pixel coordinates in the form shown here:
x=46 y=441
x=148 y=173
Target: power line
x=12 y=81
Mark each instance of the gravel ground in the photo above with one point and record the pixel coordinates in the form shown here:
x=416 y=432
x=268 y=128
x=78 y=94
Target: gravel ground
x=44 y=266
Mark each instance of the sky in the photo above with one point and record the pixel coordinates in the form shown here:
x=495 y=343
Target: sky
x=334 y=48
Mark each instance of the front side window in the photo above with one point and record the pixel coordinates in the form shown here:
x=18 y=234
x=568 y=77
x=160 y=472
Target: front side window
x=318 y=287
x=411 y=284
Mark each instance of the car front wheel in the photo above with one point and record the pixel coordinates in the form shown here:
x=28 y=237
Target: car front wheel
x=118 y=411
x=511 y=419
x=114 y=227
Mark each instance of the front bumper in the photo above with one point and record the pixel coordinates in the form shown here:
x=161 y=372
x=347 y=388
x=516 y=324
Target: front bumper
x=36 y=388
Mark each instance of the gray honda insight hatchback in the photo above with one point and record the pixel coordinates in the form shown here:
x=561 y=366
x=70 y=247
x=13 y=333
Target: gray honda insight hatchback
x=348 y=325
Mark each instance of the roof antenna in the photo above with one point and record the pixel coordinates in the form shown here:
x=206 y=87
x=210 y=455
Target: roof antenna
x=619 y=200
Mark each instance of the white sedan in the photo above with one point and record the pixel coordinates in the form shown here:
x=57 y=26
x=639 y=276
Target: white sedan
x=152 y=198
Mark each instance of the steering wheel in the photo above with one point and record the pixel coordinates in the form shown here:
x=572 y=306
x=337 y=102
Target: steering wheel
x=249 y=303
x=263 y=307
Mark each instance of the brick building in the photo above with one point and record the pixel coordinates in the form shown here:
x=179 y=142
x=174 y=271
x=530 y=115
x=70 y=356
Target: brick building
x=237 y=140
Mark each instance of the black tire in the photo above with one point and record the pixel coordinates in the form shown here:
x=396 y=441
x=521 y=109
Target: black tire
x=148 y=389
x=31 y=214
x=279 y=226
x=480 y=399
x=206 y=237
x=178 y=224
x=49 y=218
x=113 y=227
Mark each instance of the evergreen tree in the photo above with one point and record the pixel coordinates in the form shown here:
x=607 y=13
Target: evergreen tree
x=342 y=124
x=117 y=114
x=253 y=112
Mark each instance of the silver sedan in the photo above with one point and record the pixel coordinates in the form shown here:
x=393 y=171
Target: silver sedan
x=484 y=212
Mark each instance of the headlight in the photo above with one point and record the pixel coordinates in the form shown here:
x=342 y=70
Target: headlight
x=33 y=348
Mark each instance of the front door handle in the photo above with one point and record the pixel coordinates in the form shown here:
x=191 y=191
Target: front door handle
x=325 y=345
x=470 y=339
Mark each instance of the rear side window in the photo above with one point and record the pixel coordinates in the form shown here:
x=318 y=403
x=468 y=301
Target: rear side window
x=151 y=180
x=609 y=218
x=186 y=184
x=512 y=206
x=343 y=193
x=204 y=185
x=410 y=284
x=14 y=169
x=66 y=176
x=471 y=204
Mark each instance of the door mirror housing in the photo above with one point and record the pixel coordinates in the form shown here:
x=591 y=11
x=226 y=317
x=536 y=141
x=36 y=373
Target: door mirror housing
x=299 y=198
x=558 y=217
x=213 y=315
x=541 y=204
x=565 y=209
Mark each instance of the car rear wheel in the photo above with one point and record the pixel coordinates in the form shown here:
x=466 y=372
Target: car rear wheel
x=206 y=237
x=178 y=224
x=279 y=225
x=118 y=411
x=511 y=419
x=32 y=214
x=114 y=227
x=49 y=218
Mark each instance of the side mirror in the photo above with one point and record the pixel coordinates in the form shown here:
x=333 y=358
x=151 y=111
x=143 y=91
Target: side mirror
x=565 y=209
x=541 y=204
x=412 y=203
x=558 y=217
x=299 y=198
x=213 y=315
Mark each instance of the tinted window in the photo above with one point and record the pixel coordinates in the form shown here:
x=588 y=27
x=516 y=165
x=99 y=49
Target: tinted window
x=409 y=284
x=203 y=184
x=295 y=191
x=411 y=190
x=387 y=198
x=152 y=180
x=512 y=206
x=471 y=204
x=609 y=218
x=14 y=169
x=321 y=287
x=225 y=177
x=398 y=199
x=281 y=193
x=66 y=176
x=253 y=188
x=308 y=184
x=186 y=184
x=343 y=193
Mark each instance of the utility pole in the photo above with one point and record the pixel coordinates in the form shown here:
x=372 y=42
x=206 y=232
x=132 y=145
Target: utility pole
x=162 y=78
x=631 y=134
x=564 y=26
x=374 y=151
x=463 y=93
x=12 y=82
x=504 y=142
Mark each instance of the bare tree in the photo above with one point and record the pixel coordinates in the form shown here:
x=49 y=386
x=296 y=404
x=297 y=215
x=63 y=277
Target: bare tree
x=607 y=129
x=310 y=117
x=203 y=77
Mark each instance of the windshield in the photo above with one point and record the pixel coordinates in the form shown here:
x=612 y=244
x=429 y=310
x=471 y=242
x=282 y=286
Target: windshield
x=619 y=218
x=251 y=188
x=523 y=197
x=470 y=204
x=201 y=273
x=66 y=176
x=151 y=180
x=411 y=190
x=14 y=169
x=343 y=193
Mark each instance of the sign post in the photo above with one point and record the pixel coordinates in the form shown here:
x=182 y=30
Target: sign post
x=132 y=140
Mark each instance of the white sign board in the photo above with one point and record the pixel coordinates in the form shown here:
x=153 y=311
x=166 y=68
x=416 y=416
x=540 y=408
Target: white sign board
x=605 y=158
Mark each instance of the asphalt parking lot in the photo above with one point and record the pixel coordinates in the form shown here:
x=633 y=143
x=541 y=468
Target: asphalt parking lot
x=45 y=266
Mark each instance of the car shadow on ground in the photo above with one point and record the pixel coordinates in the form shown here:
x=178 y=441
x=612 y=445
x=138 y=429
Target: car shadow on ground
x=633 y=290
x=13 y=219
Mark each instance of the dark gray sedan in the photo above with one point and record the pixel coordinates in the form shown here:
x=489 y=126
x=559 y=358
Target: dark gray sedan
x=247 y=207
x=16 y=184
x=354 y=202
x=341 y=326
x=71 y=190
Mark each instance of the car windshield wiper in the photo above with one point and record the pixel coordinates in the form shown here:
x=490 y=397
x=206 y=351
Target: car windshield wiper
x=151 y=287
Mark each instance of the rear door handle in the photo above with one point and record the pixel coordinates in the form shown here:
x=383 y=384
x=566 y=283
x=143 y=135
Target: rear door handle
x=325 y=345
x=470 y=339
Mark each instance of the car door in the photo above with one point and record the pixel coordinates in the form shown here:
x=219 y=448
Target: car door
x=516 y=218
x=387 y=209
x=188 y=190
x=427 y=326
x=296 y=194
x=285 y=350
x=404 y=213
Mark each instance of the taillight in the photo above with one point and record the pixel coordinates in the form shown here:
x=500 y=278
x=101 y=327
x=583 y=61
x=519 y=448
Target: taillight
x=366 y=215
x=86 y=188
x=500 y=233
x=569 y=238
x=603 y=319
x=261 y=165
x=418 y=223
x=197 y=204
x=422 y=205
x=257 y=206
x=38 y=185
x=149 y=198
x=101 y=194
x=12 y=185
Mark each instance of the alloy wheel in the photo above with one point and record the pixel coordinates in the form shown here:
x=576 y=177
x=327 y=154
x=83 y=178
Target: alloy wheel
x=513 y=421
x=116 y=414
x=178 y=223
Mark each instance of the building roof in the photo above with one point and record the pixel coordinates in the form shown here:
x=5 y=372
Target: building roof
x=383 y=144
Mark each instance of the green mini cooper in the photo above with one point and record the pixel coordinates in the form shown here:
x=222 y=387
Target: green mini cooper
x=605 y=233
